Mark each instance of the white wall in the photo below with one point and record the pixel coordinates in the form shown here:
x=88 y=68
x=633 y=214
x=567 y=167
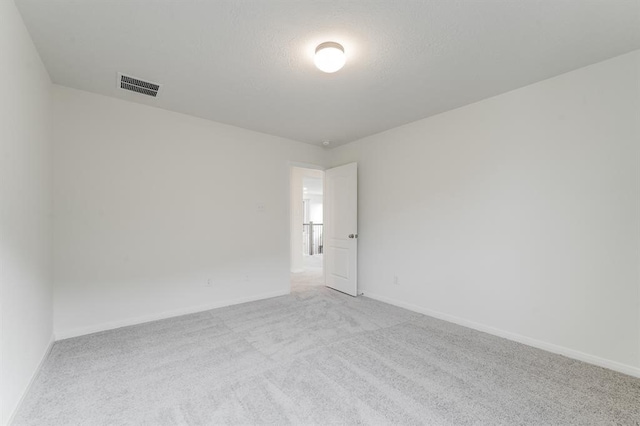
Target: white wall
x=25 y=197
x=296 y=216
x=150 y=204
x=315 y=207
x=519 y=214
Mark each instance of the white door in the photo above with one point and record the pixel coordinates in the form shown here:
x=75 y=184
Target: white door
x=341 y=228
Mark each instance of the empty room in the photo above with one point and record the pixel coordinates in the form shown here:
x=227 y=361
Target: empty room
x=317 y=212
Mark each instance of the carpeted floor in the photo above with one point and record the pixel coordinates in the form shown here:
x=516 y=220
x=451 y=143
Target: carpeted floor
x=318 y=357
x=311 y=276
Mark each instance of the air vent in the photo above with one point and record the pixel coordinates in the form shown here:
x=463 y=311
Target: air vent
x=137 y=85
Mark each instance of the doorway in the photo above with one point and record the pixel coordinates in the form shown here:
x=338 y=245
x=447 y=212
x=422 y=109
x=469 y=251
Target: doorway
x=307 y=227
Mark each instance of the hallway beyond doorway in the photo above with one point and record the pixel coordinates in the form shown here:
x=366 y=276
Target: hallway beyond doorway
x=306 y=227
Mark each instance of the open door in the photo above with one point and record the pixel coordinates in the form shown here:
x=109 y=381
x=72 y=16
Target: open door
x=341 y=228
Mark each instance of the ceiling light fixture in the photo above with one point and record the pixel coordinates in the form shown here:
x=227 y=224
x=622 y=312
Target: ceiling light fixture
x=329 y=56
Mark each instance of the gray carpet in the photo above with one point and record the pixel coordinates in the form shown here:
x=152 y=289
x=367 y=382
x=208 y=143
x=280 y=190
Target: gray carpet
x=318 y=357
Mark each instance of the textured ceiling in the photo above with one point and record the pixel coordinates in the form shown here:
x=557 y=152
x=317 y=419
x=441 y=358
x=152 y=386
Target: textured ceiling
x=249 y=63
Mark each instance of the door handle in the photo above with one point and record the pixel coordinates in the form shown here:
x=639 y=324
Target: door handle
x=353 y=235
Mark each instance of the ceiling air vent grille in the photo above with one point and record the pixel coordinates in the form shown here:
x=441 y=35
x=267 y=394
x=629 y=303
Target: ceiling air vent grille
x=132 y=84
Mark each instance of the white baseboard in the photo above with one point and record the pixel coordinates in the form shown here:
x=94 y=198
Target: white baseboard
x=67 y=334
x=33 y=378
x=550 y=347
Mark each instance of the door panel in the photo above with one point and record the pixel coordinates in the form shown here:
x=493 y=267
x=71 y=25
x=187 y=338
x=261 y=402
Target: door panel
x=341 y=228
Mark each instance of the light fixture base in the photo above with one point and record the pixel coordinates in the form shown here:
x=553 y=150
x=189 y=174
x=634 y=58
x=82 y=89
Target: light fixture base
x=329 y=56
x=329 y=44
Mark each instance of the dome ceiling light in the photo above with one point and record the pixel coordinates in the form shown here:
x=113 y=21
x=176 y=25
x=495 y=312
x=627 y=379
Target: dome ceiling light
x=329 y=57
